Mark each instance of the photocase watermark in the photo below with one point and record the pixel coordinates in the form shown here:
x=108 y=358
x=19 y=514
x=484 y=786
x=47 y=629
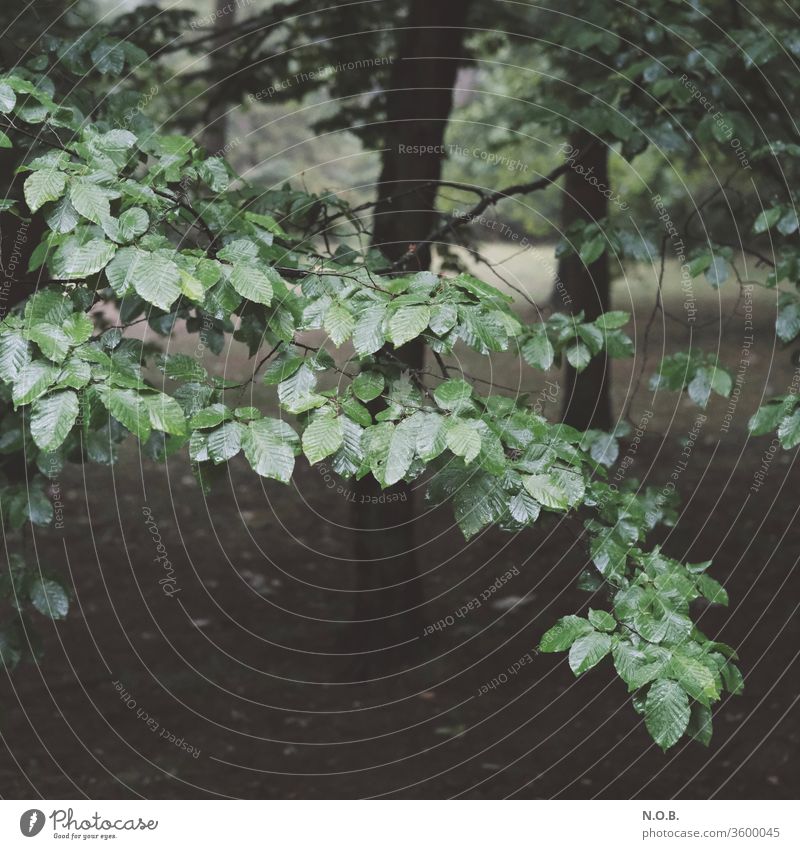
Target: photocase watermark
x=687 y=282
x=450 y=149
x=766 y=461
x=152 y=723
x=65 y=820
x=10 y=266
x=723 y=126
x=621 y=472
x=168 y=582
x=548 y=395
x=54 y=467
x=207 y=20
x=316 y=75
x=630 y=453
x=473 y=604
x=505 y=677
x=769 y=455
x=681 y=465
x=572 y=155
x=332 y=481
x=141 y=103
x=500 y=227
x=744 y=358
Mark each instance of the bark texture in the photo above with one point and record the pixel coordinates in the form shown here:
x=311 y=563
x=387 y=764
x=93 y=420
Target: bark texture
x=587 y=401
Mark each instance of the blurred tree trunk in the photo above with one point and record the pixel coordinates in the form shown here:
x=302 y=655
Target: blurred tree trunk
x=389 y=588
x=215 y=116
x=587 y=398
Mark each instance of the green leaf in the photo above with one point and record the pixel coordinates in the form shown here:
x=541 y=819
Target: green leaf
x=90 y=200
x=43 y=186
x=523 y=508
x=578 y=356
x=37 y=507
x=155 y=278
x=602 y=620
x=767 y=219
x=612 y=320
x=593 y=337
x=588 y=651
x=712 y=590
x=7 y=97
x=376 y=441
x=165 y=413
x=604 y=450
x=225 y=442
x=732 y=678
x=210 y=416
x=787 y=324
x=269 y=446
x=78 y=328
x=699 y=726
x=443 y=318
x=699 y=264
x=789 y=223
x=766 y=419
x=402 y=449
x=128 y=407
x=62 y=218
x=407 y=323
x=52 y=418
x=132 y=223
x=339 y=324
x=538 y=350
x=718 y=272
x=546 y=491
x=32 y=381
x=430 y=435
x=482 y=291
x=721 y=382
x=15 y=354
x=700 y=386
x=296 y=393
x=251 y=283
x=564 y=633
x=368 y=385
x=347 y=460
x=282 y=367
x=73 y=261
x=463 y=439
x=49 y=598
x=321 y=438
x=593 y=249
x=53 y=342
x=666 y=713
x=633 y=665
x=357 y=411
x=368 y=334
x=695 y=677
x=789 y=430
x=454 y=395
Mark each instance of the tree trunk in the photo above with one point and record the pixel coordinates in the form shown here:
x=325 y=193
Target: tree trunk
x=586 y=402
x=389 y=589
x=215 y=117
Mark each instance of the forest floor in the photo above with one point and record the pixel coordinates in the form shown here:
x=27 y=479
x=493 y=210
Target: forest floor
x=239 y=685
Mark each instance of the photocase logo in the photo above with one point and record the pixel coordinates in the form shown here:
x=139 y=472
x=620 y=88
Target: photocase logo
x=31 y=822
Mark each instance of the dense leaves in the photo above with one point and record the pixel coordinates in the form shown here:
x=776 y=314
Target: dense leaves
x=146 y=223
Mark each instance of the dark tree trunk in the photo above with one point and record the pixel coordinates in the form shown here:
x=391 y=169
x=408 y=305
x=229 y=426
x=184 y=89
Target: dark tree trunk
x=215 y=118
x=389 y=589
x=586 y=401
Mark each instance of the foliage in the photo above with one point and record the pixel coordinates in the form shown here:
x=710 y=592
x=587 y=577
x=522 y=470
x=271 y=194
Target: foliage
x=146 y=226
